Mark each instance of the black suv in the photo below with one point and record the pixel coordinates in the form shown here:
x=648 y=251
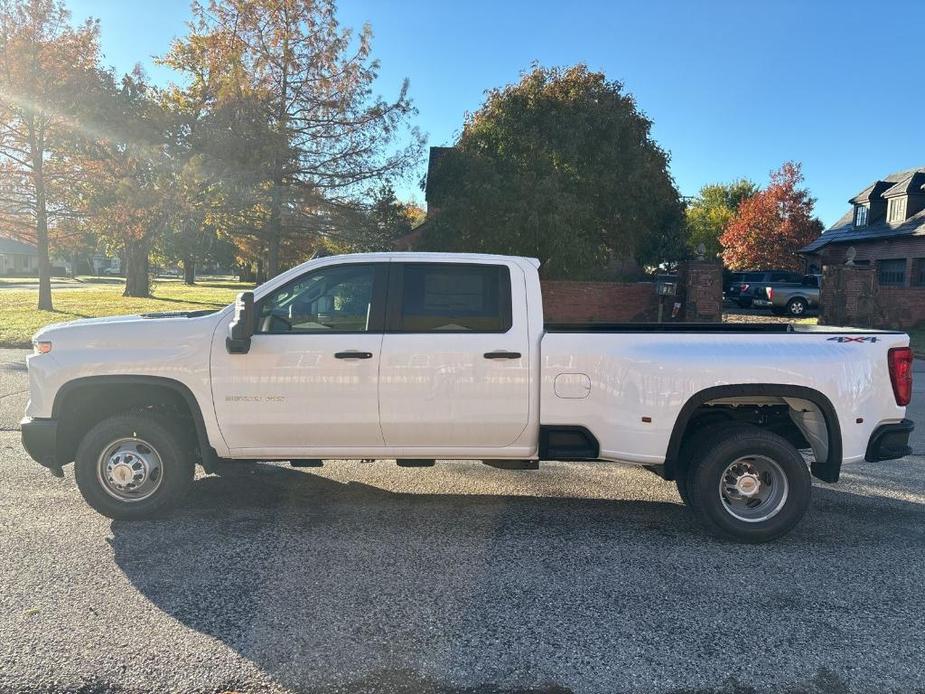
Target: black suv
x=742 y=287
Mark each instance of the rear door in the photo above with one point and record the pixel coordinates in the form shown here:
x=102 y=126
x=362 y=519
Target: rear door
x=455 y=355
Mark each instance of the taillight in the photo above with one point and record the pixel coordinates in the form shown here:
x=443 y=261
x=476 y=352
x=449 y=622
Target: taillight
x=743 y=287
x=900 y=361
x=770 y=293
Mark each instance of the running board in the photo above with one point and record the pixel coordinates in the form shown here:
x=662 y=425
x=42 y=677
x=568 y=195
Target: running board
x=416 y=462
x=307 y=462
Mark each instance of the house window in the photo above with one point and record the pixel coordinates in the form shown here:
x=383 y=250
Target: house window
x=860 y=216
x=897 y=210
x=892 y=273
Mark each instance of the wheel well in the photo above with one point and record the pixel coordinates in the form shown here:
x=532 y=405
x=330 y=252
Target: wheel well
x=82 y=404
x=802 y=416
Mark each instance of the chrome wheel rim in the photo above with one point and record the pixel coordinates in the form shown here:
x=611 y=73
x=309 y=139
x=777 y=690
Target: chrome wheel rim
x=130 y=469
x=753 y=488
x=797 y=308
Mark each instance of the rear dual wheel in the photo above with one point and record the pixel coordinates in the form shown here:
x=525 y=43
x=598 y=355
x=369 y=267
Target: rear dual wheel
x=745 y=483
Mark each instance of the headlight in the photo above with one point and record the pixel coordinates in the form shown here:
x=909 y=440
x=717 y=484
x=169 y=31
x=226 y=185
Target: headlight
x=43 y=347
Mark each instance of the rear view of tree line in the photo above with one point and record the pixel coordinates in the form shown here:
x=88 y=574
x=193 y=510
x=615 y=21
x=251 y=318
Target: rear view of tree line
x=273 y=146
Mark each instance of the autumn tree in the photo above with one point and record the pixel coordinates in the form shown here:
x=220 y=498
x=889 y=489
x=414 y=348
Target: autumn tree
x=713 y=208
x=386 y=219
x=772 y=225
x=561 y=166
x=132 y=197
x=45 y=65
x=322 y=137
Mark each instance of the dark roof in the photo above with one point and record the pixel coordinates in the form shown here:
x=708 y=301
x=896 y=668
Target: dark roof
x=14 y=247
x=844 y=231
x=871 y=192
x=912 y=184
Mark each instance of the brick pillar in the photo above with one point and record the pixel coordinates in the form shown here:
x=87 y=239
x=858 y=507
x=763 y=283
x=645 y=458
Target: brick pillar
x=700 y=291
x=849 y=297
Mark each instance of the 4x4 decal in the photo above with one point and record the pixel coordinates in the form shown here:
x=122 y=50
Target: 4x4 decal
x=845 y=338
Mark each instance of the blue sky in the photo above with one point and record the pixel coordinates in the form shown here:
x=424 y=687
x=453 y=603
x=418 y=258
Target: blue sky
x=734 y=88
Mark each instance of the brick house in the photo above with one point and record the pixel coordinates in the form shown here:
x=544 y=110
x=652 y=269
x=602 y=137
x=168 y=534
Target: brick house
x=884 y=230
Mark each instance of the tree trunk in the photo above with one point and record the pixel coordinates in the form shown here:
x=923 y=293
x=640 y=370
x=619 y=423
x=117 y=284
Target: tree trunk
x=189 y=271
x=136 y=269
x=41 y=228
x=275 y=230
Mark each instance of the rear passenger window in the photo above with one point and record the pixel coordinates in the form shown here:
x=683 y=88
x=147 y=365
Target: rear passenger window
x=452 y=297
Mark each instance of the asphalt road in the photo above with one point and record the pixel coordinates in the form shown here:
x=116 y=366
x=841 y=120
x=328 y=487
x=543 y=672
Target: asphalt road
x=373 y=578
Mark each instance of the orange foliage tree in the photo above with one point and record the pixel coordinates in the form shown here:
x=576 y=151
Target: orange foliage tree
x=772 y=225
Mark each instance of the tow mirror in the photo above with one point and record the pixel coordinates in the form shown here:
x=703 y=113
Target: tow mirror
x=242 y=326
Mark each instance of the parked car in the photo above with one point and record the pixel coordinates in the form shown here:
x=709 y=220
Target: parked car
x=424 y=356
x=792 y=298
x=746 y=286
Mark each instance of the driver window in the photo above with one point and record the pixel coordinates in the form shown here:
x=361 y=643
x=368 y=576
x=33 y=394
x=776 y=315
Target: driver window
x=334 y=299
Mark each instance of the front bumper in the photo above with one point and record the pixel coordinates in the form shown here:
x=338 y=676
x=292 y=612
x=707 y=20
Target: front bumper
x=890 y=441
x=40 y=439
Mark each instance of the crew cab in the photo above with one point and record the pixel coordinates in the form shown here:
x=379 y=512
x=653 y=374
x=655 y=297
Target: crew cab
x=420 y=357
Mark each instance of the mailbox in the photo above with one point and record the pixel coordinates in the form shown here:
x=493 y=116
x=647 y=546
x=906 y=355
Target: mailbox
x=666 y=285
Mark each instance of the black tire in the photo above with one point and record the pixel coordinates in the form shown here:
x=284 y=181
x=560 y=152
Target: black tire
x=703 y=433
x=797 y=306
x=787 y=503
x=744 y=303
x=157 y=432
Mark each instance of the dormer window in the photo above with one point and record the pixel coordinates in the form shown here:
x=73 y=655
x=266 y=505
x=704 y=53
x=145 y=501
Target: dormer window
x=860 y=216
x=897 y=210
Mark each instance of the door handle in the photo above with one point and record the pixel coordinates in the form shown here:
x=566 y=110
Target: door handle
x=501 y=354
x=353 y=355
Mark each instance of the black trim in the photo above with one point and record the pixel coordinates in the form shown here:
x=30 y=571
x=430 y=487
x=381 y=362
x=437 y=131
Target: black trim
x=566 y=442
x=353 y=355
x=502 y=355
x=40 y=439
x=826 y=470
x=396 y=292
x=725 y=328
x=890 y=441
x=207 y=453
x=376 y=311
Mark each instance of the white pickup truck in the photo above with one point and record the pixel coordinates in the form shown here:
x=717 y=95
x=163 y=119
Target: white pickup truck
x=417 y=357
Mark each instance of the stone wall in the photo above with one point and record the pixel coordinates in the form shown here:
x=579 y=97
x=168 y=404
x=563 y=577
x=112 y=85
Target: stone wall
x=700 y=295
x=852 y=296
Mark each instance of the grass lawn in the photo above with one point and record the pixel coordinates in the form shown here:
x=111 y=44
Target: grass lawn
x=19 y=319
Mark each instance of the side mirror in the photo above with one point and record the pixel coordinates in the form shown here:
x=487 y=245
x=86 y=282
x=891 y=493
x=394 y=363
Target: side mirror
x=242 y=326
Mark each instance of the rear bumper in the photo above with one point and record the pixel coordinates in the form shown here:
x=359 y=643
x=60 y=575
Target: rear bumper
x=890 y=441
x=40 y=439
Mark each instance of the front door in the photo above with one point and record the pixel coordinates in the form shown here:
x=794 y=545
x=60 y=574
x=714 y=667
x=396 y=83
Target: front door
x=311 y=377
x=455 y=356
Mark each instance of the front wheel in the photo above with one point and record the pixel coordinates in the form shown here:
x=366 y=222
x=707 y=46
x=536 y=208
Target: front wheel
x=749 y=484
x=133 y=466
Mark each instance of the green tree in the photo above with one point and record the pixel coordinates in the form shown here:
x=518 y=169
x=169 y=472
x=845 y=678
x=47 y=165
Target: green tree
x=561 y=166
x=47 y=67
x=322 y=137
x=714 y=207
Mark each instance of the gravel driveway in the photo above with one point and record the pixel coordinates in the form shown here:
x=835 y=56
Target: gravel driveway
x=373 y=578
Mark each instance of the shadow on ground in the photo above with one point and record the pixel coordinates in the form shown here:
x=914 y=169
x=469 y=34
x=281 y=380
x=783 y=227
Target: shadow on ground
x=345 y=587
